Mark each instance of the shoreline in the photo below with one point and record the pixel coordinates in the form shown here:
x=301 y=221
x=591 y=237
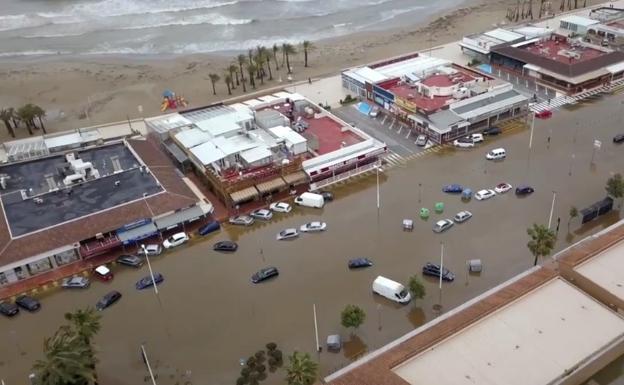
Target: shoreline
x=111 y=88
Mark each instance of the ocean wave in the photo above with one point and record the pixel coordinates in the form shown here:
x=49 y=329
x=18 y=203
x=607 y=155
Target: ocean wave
x=391 y=14
x=52 y=35
x=33 y=53
x=211 y=18
x=115 y=8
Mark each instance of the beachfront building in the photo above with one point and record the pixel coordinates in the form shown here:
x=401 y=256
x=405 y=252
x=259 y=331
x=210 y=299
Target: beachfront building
x=479 y=45
x=575 y=25
x=436 y=97
x=255 y=148
x=72 y=196
x=568 y=66
x=538 y=328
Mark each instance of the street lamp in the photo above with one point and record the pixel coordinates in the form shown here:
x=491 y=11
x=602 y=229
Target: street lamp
x=149 y=368
x=552 y=208
x=149 y=265
x=378 y=169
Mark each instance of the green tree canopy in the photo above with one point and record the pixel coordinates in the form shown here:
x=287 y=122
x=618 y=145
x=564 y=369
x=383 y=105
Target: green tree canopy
x=542 y=241
x=416 y=287
x=301 y=370
x=352 y=316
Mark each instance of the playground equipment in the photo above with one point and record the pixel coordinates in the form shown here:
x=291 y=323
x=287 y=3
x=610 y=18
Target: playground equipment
x=424 y=213
x=171 y=101
x=439 y=207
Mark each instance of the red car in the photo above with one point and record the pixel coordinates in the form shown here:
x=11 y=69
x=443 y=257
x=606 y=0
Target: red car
x=543 y=114
x=103 y=273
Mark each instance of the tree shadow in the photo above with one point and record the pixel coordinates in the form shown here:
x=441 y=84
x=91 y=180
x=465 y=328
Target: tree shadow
x=417 y=316
x=354 y=348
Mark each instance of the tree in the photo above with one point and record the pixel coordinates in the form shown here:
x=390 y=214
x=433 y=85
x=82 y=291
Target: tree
x=85 y=324
x=288 y=50
x=241 y=62
x=26 y=115
x=307 y=47
x=573 y=214
x=267 y=57
x=352 y=316
x=228 y=82
x=615 y=186
x=213 y=79
x=301 y=369
x=416 y=287
x=542 y=241
x=232 y=69
x=258 y=62
x=39 y=113
x=251 y=70
x=275 y=52
x=6 y=115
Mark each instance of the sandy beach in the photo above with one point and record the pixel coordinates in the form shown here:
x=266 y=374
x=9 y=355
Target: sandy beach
x=81 y=92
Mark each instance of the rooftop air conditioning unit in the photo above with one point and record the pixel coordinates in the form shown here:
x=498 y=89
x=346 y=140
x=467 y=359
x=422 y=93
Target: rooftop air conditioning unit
x=99 y=236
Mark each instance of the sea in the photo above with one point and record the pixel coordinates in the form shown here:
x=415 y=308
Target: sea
x=181 y=27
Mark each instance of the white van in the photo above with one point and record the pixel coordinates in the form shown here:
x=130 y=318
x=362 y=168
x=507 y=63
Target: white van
x=309 y=199
x=394 y=291
x=496 y=154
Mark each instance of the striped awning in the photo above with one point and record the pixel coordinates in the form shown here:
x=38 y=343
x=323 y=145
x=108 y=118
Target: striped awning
x=244 y=195
x=295 y=177
x=271 y=185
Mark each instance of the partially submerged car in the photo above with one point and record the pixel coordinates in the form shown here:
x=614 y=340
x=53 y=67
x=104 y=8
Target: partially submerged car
x=287 y=234
x=75 y=283
x=280 y=207
x=147 y=281
x=264 y=274
x=242 y=220
x=313 y=227
x=225 y=246
x=358 y=263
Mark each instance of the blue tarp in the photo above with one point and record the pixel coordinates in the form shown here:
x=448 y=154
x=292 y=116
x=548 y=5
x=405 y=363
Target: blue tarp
x=485 y=68
x=364 y=108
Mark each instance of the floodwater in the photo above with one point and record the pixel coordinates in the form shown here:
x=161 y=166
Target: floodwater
x=208 y=314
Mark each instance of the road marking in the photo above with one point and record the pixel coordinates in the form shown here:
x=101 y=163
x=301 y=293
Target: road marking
x=400 y=129
x=408 y=135
x=392 y=125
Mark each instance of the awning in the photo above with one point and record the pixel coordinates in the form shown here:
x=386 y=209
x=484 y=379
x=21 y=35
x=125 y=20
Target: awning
x=137 y=233
x=187 y=215
x=245 y=194
x=175 y=151
x=295 y=177
x=271 y=185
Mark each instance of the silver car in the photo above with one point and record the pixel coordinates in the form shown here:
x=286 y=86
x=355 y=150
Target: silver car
x=462 y=216
x=242 y=220
x=442 y=225
x=264 y=214
x=287 y=234
x=150 y=250
x=421 y=140
x=75 y=283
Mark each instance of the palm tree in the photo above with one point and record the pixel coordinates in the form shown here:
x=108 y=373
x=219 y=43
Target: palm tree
x=86 y=324
x=283 y=54
x=615 y=186
x=6 y=114
x=233 y=70
x=289 y=49
x=25 y=114
x=261 y=52
x=39 y=113
x=228 y=82
x=275 y=51
x=301 y=370
x=259 y=61
x=241 y=61
x=213 y=79
x=542 y=241
x=250 y=54
x=307 y=46
x=573 y=214
x=267 y=57
x=251 y=70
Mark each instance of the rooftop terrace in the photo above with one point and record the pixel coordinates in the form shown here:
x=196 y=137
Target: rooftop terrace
x=563 y=51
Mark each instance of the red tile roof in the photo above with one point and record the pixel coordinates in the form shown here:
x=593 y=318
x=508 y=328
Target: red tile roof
x=443 y=80
x=329 y=134
x=424 y=103
x=176 y=195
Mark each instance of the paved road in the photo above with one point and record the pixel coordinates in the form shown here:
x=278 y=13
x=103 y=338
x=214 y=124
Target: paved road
x=208 y=315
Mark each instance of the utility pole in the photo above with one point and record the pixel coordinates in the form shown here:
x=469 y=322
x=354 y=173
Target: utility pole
x=149 y=368
x=318 y=347
x=149 y=265
x=552 y=208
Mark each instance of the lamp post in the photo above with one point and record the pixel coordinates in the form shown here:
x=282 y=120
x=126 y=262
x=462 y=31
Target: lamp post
x=318 y=347
x=149 y=368
x=149 y=265
x=552 y=208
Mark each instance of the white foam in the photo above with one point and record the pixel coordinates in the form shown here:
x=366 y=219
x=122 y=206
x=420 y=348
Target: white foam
x=33 y=53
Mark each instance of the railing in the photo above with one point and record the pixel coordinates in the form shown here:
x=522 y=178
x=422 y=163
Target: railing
x=345 y=175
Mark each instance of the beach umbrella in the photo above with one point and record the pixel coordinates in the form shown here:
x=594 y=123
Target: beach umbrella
x=168 y=94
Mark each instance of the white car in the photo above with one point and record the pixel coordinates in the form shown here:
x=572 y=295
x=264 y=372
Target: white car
x=463 y=142
x=287 y=234
x=476 y=138
x=442 y=225
x=150 y=249
x=263 y=214
x=313 y=227
x=280 y=207
x=502 y=187
x=484 y=194
x=462 y=216
x=175 y=240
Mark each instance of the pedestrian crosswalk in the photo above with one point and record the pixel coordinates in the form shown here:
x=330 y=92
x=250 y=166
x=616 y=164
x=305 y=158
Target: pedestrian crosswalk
x=552 y=104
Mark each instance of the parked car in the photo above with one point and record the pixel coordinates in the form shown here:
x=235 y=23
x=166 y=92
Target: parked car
x=264 y=214
x=374 y=112
x=280 y=207
x=328 y=196
x=103 y=273
x=476 y=138
x=264 y=274
x=287 y=234
x=524 y=190
x=28 y=303
x=309 y=199
x=453 y=188
x=151 y=250
x=175 y=240
x=130 y=260
x=543 y=114
x=463 y=143
x=147 y=281
x=502 y=188
x=433 y=269
x=482 y=195
x=358 y=263
x=225 y=246
x=390 y=289
x=8 y=309
x=108 y=299
x=492 y=131
x=619 y=138
x=242 y=220
x=421 y=140
x=313 y=227
x=462 y=216
x=75 y=283
x=209 y=228
x=496 y=154
x=442 y=225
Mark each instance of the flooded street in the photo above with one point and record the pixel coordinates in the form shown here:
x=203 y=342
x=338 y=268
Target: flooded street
x=208 y=314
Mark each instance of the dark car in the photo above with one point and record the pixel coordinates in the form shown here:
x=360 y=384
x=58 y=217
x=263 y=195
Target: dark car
x=225 y=246
x=27 y=302
x=524 y=190
x=492 y=131
x=8 y=309
x=109 y=299
x=209 y=228
x=328 y=196
x=434 y=270
x=359 y=263
x=619 y=138
x=147 y=281
x=264 y=274
x=453 y=188
x=130 y=260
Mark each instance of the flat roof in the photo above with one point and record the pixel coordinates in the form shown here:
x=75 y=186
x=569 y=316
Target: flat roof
x=255 y=154
x=207 y=153
x=192 y=137
x=549 y=330
x=426 y=103
x=483 y=103
x=606 y=269
x=416 y=65
x=165 y=123
x=579 y=20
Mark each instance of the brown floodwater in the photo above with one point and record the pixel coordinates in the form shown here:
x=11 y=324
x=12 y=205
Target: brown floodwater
x=208 y=314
